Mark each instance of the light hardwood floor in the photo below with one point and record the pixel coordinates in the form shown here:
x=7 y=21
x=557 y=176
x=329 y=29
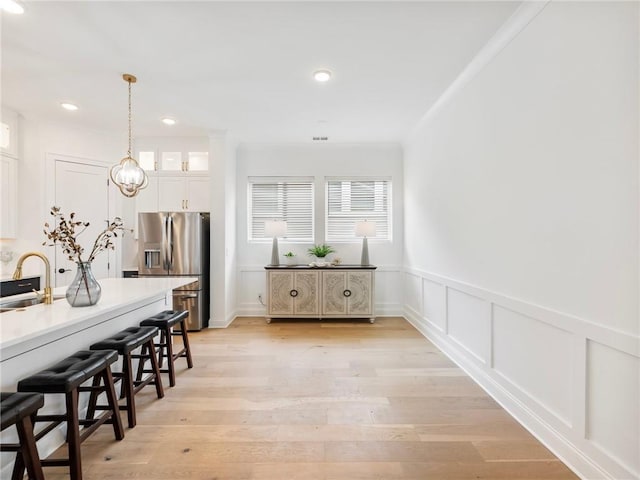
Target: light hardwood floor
x=318 y=400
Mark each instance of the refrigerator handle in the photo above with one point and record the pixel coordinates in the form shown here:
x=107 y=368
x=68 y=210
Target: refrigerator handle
x=165 y=258
x=169 y=242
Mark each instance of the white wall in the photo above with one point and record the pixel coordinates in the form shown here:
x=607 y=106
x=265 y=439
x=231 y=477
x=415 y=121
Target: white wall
x=40 y=142
x=521 y=231
x=320 y=161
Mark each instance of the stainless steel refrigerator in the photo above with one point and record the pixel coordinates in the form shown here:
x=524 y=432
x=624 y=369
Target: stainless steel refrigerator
x=176 y=244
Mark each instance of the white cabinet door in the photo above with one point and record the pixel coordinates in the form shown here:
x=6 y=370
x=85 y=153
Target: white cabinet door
x=198 y=196
x=171 y=197
x=9 y=132
x=183 y=193
x=9 y=197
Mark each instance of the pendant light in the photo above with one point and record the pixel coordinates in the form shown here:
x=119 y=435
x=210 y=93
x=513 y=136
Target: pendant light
x=128 y=175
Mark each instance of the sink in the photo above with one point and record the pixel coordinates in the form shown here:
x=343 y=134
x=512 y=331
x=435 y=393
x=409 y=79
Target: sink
x=11 y=305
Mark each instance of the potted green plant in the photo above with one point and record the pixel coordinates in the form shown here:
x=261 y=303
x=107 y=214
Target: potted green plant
x=320 y=251
x=290 y=258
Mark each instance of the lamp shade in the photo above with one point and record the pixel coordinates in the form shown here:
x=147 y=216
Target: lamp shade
x=365 y=229
x=275 y=228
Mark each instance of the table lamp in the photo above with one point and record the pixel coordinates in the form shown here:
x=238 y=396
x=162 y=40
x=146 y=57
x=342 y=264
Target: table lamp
x=275 y=229
x=365 y=229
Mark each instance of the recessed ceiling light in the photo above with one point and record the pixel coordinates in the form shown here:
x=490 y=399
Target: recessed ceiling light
x=322 y=75
x=168 y=121
x=11 y=6
x=69 y=106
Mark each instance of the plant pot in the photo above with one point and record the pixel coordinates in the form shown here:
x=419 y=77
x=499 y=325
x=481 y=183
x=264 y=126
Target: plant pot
x=84 y=290
x=290 y=261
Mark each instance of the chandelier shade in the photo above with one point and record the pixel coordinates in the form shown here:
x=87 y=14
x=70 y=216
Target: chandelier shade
x=128 y=176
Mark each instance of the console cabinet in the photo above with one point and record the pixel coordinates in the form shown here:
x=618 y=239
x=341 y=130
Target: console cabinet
x=306 y=292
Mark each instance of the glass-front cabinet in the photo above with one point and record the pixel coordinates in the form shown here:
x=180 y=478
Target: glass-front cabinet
x=173 y=161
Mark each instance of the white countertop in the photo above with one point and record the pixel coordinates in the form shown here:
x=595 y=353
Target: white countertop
x=44 y=323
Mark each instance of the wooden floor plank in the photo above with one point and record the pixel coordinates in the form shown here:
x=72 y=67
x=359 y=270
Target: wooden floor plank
x=318 y=400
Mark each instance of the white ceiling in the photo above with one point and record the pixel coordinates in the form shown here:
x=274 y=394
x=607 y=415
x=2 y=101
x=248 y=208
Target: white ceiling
x=244 y=67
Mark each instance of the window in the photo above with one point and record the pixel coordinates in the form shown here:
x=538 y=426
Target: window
x=289 y=199
x=349 y=201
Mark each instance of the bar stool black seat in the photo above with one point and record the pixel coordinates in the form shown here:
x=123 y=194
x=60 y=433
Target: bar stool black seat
x=66 y=377
x=125 y=343
x=165 y=321
x=16 y=409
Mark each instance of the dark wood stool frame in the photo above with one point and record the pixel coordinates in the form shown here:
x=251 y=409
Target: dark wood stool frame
x=130 y=386
x=103 y=382
x=164 y=346
x=26 y=450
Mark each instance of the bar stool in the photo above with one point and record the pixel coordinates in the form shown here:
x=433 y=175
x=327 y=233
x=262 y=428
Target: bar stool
x=165 y=321
x=17 y=409
x=125 y=343
x=66 y=377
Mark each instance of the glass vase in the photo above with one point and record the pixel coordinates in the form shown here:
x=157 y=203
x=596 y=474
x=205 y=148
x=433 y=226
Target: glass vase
x=84 y=290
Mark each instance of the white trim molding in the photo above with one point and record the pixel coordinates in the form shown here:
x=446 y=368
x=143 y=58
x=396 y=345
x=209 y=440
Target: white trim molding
x=572 y=383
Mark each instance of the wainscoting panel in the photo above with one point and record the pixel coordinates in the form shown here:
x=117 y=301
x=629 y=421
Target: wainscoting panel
x=413 y=293
x=536 y=357
x=435 y=304
x=572 y=383
x=613 y=422
x=468 y=322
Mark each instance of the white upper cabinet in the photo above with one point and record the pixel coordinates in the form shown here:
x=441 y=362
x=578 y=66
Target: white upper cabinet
x=183 y=194
x=8 y=196
x=9 y=133
x=172 y=162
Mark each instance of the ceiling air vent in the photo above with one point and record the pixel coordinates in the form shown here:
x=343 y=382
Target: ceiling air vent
x=320 y=139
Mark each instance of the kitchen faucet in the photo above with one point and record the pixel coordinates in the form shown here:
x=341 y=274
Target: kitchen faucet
x=17 y=275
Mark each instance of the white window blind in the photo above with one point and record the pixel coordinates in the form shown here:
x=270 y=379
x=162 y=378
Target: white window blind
x=281 y=199
x=349 y=201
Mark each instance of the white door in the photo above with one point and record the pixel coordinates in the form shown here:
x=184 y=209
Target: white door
x=84 y=190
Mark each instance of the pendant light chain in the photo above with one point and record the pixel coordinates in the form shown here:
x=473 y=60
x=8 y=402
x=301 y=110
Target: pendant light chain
x=129 y=151
x=127 y=175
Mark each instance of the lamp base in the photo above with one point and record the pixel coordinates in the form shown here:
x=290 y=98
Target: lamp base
x=364 y=259
x=275 y=257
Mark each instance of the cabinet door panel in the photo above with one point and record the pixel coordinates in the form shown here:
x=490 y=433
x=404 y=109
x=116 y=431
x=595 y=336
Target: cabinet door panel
x=333 y=286
x=280 y=300
x=9 y=197
x=198 y=194
x=171 y=194
x=360 y=285
x=306 y=302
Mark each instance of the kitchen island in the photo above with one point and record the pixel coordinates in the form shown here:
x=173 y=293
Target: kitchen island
x=40 y=335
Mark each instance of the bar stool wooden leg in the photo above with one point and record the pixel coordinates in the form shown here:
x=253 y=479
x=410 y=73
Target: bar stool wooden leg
x=155 y=367
x=128 y=391
x=73 y=435
x=185 y=341
x=170 y=363
x=27 y=457
x=112 y=400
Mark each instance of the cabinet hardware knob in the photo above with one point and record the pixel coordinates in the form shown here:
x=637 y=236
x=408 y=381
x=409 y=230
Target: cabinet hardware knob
x=62 y=270
x=293 y=293
x=347 y=293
